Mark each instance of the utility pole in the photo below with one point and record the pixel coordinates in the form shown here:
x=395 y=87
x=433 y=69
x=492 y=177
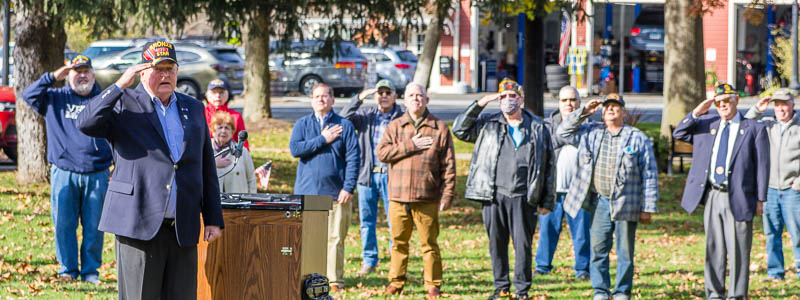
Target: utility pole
x=6 y=39
x=794 y=85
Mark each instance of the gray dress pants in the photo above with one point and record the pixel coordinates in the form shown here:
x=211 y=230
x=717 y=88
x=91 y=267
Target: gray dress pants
x=727 y=242
x=156 y=269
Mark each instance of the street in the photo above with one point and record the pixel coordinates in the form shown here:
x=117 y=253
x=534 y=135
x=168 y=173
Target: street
x=447 y=107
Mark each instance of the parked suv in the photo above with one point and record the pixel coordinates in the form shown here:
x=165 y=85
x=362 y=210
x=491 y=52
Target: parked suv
x=396 y=65
x=303 y=67
x=8 y=125
x=647 y=32
x=197 y=66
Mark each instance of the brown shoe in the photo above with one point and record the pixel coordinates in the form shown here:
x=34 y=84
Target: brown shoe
x=393 y=290
x=433 y=293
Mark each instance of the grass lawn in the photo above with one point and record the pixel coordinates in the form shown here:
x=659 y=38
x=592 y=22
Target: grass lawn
x=669 y=252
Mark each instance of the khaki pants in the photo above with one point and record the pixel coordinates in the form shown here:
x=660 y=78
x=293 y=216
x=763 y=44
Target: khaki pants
x=338 y=219
x=403 y=217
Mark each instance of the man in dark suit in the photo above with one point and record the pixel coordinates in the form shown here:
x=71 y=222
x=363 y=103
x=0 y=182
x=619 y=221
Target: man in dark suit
x=164 y=177
x=729 y=175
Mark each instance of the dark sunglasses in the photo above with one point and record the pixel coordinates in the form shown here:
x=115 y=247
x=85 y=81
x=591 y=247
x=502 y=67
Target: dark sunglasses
x=569 y=99
x=385 y=93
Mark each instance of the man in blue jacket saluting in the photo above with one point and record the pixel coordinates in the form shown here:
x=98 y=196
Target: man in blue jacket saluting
x=79 y=167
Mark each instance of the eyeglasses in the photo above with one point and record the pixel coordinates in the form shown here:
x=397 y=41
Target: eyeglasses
x=385 y=93
x=718 y=102
x=569 y=99
x=510 y=96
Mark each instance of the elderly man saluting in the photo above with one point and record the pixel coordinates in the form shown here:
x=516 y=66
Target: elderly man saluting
x=164 y=177
x=783 y=195
x=617 y=182
x=79 y=167
x=511 y=174
x=729 y=175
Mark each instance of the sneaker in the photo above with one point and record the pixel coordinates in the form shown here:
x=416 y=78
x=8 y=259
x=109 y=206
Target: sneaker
x=65 y=278
x=522 y=297
x=93 y=279
x=336 y=287
x=366 y=270
x=601 y=297
x=538 y=273
x=500 y=293
x=584 y=277
x=621 y=297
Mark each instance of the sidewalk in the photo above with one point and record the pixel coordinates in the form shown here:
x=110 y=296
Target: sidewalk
x=632 y=100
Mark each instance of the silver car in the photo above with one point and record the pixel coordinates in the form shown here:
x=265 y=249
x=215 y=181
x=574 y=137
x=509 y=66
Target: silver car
x=198 y=66
x=396 y=65
x=303 y=67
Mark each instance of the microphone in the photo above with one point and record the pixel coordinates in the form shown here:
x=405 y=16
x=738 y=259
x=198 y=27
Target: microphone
x=239 y=145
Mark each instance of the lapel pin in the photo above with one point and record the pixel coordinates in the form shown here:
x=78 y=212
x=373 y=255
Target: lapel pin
x=186 y=117
x=184 y=109
x=713 y=131
x=741 y=131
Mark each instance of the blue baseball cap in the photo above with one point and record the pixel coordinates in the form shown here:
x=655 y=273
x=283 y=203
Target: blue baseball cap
x=217 y=83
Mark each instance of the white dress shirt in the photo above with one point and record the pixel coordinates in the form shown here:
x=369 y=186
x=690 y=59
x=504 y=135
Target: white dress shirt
x=734 y=132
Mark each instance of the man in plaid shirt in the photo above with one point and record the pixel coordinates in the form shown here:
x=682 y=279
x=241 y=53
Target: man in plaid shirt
x=422 y=181
x=617 y=182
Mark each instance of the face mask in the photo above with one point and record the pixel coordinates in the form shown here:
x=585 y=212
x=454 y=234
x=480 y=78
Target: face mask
x=509 y=105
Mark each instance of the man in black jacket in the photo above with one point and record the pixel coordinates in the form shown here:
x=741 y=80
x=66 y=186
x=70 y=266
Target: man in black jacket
x=520 y=143
x=370 y=122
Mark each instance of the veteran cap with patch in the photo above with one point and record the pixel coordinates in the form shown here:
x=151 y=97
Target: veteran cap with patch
x=385 y=83
x=724 y=89
x=217 y=83
x=783 y=94
x=158 y=51
x=510 y=85
x=613 y=97
x=81 y=61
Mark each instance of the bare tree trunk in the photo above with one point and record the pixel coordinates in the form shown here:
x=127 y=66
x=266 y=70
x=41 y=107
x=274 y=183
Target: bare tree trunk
x=684 y=82
x=433 y=35
x=39 y=47
x=534 y=65
x=256 y=70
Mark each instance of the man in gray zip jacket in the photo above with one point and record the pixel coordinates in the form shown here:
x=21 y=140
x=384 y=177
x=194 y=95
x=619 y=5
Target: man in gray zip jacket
x=511 y=174
x=783 y=196
x=370 y=123
x=550 y=224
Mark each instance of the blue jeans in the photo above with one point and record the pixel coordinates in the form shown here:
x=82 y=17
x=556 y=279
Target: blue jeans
x=550 y=230
x=368 y=214
x=782 y=208
x=601 y=238
x=76 y=196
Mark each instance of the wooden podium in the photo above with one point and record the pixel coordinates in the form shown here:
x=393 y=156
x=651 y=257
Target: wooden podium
x=264 y=253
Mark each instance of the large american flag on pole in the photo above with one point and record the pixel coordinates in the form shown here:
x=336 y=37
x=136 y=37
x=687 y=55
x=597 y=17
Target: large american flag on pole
x=566 y=36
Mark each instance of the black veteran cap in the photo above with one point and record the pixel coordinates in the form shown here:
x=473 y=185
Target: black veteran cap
x=724 y=89
x=81 y=61
x=158 y=51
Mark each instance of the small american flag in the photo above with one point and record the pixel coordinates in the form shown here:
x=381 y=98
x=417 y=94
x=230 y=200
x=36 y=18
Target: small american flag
x=262 y=173
x=566 y=36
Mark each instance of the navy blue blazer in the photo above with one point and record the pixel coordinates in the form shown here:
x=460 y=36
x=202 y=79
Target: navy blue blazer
x=748 y=172
x=138 y=192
